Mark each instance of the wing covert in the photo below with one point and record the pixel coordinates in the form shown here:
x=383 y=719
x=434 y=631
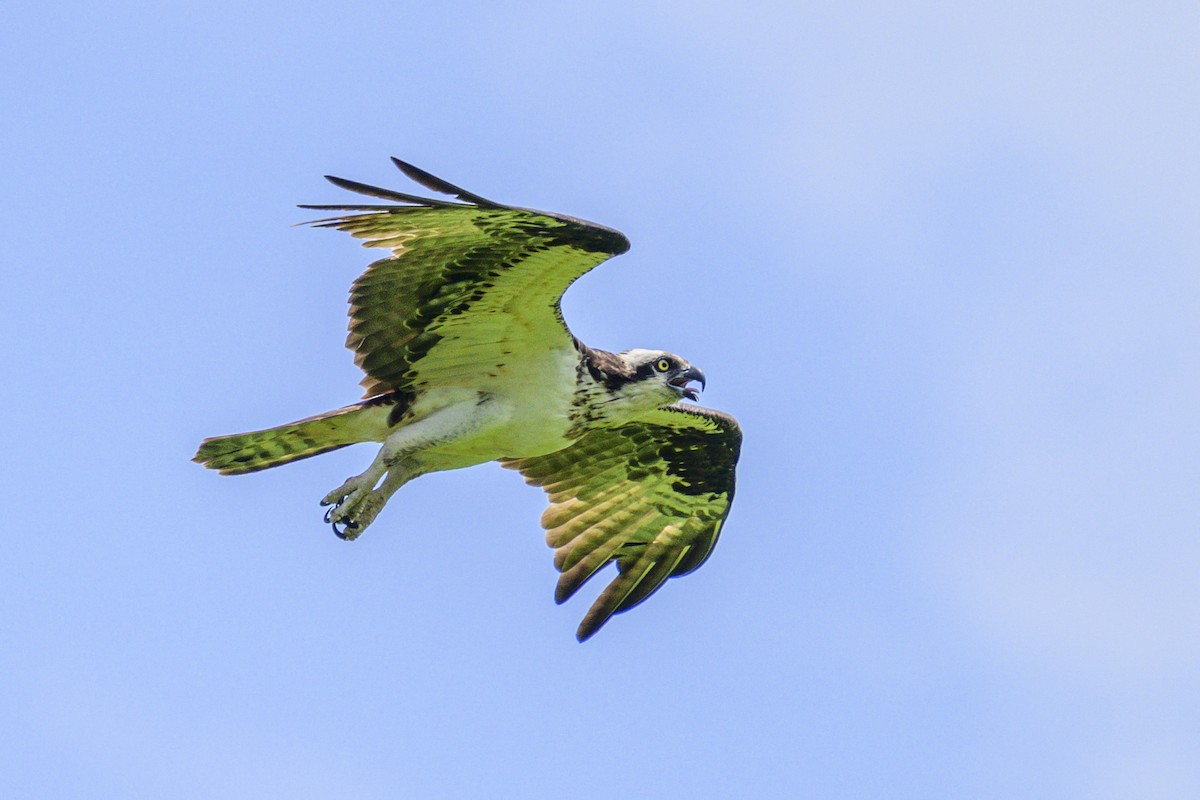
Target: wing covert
x=650 y=495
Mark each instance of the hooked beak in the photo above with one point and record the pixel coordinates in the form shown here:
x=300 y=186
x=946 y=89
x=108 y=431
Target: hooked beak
x=680 y=382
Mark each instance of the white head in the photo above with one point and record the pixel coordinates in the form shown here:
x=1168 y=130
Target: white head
x=658 y=376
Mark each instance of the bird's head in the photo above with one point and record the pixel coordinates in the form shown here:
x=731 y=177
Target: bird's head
x=663 y=374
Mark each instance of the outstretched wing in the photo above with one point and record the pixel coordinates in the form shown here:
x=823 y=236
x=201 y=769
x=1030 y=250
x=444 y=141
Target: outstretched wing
x=470 y=286
x=651 y=495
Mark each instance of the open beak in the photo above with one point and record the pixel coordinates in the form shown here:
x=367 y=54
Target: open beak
x=680 y=382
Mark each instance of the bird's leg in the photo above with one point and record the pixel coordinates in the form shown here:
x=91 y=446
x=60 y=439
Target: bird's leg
x=359 y=501
x=356 y=503
x=344 y=498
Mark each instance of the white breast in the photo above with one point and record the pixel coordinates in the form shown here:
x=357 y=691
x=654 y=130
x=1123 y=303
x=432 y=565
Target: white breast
x=516 y=411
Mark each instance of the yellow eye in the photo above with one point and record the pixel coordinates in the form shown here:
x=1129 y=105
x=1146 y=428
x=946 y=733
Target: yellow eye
x=663 y=365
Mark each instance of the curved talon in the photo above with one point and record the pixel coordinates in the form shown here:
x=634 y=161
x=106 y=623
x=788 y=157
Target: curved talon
x=347 y=524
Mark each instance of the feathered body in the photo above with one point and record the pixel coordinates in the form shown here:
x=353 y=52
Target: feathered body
x=468 y=360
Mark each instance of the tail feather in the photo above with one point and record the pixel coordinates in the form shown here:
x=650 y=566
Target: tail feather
x=239 y=453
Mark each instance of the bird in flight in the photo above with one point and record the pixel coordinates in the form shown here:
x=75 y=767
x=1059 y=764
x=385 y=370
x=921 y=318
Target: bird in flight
x=468 y=360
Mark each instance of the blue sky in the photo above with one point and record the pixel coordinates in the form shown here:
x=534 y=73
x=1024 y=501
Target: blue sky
x=941 y=262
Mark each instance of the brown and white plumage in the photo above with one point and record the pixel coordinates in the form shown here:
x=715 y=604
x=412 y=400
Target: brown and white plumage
x=468 y=360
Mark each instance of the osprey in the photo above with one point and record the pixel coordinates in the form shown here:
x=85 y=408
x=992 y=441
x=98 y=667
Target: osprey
x=468 y=360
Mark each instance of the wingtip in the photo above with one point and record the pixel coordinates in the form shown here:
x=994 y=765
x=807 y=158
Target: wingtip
x=434 y=183
x=414 y=172
x=342 y=183
x=384 y=194
x=591 y=623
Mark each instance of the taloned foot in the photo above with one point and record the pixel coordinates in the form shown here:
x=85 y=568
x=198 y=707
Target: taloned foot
x=347 y=505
